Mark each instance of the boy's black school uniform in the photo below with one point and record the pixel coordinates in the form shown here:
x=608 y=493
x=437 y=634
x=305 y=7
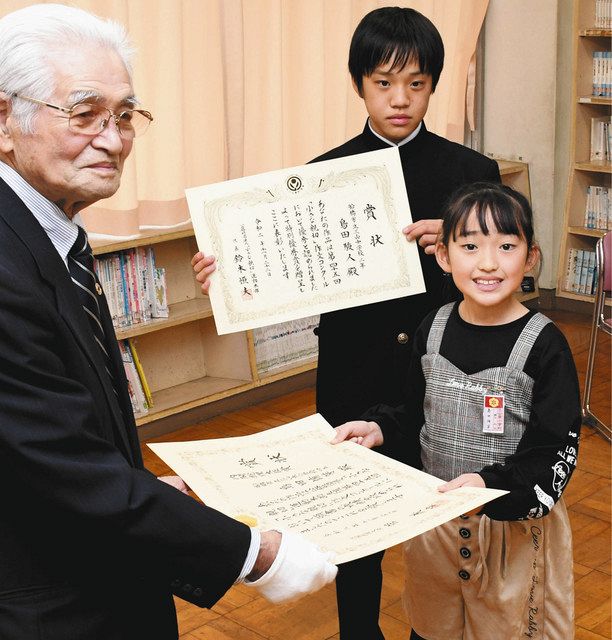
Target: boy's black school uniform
x=364 y=351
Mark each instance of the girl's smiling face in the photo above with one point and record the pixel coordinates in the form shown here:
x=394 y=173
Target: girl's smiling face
x=488 y=270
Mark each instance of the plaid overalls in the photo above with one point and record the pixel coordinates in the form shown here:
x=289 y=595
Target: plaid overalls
x=474 y=578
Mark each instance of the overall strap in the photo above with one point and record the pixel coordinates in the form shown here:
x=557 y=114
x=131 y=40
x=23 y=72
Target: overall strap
x=526 y=340
x=434 y=339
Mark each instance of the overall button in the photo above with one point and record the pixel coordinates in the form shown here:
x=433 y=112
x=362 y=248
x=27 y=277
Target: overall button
x=465 y=552
x=464 y=533
x=402 y=338
x=464 y=575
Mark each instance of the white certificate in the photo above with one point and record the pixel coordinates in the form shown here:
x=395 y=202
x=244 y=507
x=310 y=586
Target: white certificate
x=306 y=240
x=347 y=499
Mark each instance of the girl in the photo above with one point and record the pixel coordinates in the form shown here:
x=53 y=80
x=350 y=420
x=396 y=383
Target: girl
x=497 y=405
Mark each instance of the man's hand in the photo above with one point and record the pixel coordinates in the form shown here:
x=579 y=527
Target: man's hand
x=425 y=232
x=367 y=434
x=203 y=267
x=176 y=482
x=465 y=480
x=289 y=566
x=268 y=550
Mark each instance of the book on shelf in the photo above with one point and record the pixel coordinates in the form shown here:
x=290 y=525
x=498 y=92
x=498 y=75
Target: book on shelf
x=580 y=271
x=158 y=301
x=570 y=270
x=603 y=14
x=287 y=343
x=140 y=406
x=584 y=272
x=135 y=287
x=600 y=139
x=587 y=286
x=141 y=374
x=598 y=208
x=602 y=74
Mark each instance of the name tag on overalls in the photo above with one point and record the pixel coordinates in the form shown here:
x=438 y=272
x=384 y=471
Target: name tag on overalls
x=493 y=413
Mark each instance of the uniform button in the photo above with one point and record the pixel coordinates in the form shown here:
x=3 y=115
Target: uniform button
x=187 y=588
x=197 y=592
x=464 y=575
x=465 y=552
x=175 y=583
x=402 y=338
x=464 y=533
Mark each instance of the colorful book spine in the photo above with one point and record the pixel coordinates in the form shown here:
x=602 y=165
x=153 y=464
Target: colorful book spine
x=135 y=390
x=598 y=208
x=135 y=287
x=141 y=374
x=602 y=74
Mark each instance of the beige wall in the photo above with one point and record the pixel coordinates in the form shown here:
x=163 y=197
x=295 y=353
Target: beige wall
x=526 y=109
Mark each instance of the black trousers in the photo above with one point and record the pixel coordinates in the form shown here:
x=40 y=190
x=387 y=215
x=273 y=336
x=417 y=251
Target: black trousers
x=358 y=588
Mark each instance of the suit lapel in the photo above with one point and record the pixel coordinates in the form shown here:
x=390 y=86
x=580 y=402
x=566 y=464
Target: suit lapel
x=53 y=270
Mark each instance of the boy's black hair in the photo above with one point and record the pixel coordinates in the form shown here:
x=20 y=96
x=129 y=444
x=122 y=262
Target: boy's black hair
x=398 y=34
x=510 y=211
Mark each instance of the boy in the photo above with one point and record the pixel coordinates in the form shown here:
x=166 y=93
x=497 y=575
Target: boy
x=395 y=60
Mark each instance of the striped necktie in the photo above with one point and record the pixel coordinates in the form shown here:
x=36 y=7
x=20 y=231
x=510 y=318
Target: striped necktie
x=80 y=266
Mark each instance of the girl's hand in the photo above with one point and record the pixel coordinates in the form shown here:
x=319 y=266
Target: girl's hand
x=465 y=480
x=203 y=267
x=367 y=434
x=425 y=232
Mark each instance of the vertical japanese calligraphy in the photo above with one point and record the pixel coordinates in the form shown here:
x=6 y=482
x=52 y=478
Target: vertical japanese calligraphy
x=306 y=240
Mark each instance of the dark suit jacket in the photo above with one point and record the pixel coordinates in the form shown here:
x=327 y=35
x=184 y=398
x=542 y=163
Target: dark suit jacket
x=361 y=361
x=91 y=543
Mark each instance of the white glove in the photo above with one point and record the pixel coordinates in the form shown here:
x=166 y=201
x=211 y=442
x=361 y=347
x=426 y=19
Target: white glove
x=300 y=567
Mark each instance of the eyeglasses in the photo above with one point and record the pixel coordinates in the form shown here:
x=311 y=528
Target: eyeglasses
x=92 y=119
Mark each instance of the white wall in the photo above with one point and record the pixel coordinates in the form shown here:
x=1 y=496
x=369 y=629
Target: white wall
x=520 y=105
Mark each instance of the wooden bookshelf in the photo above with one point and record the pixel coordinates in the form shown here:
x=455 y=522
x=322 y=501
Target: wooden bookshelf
x=185 y=362
x=583 y=172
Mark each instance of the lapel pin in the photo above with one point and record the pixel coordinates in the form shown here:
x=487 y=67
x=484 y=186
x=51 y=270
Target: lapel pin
x=98 y=289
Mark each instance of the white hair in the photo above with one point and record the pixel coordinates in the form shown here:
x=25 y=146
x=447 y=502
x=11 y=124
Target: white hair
x=27 y=38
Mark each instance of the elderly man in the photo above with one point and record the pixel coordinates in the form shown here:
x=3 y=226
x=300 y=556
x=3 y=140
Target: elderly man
x=91 y=544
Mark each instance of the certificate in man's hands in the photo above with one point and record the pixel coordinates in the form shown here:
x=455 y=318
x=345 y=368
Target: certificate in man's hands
x=306 y=240
x=348 y=499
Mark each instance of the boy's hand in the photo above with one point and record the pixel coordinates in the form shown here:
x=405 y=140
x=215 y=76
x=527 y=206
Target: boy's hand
x=367 y=434
x=425 y=232
x=465 y=480
x=203 y=267
x=176 y=482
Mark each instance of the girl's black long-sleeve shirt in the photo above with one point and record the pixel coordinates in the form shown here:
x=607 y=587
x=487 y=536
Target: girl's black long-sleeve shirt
x=546 y=454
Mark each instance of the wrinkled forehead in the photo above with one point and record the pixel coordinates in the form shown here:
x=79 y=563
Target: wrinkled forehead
x=91 y=72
